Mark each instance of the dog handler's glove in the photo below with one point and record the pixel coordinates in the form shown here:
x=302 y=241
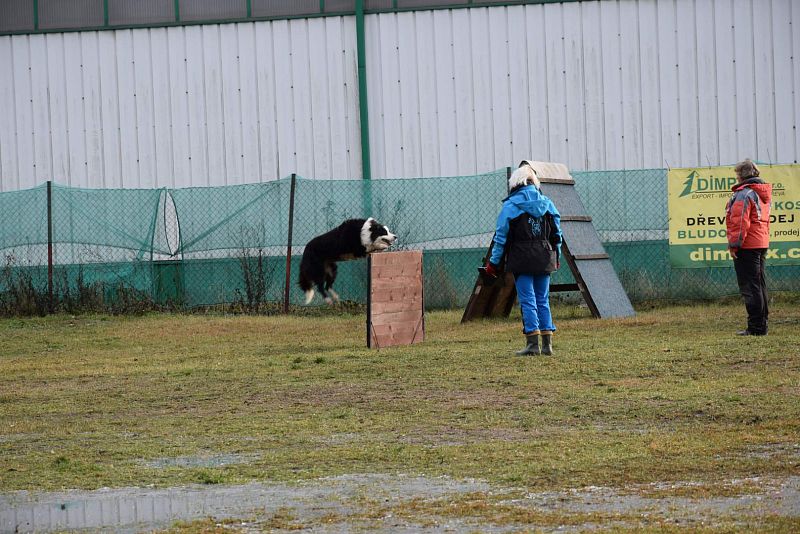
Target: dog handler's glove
x=490 y=270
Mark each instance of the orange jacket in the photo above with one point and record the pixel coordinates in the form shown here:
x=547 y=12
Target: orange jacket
x=747 y=214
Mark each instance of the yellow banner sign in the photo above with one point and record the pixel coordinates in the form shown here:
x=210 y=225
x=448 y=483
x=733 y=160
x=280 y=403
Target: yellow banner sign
x=696 y=204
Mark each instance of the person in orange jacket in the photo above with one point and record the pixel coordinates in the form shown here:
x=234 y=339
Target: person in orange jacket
x=747 y=221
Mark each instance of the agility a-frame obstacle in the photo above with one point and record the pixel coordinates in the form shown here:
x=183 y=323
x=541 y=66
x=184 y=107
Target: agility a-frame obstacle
x=581 y=250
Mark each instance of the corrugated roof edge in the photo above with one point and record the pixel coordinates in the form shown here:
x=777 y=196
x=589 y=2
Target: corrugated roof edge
x=337 y=13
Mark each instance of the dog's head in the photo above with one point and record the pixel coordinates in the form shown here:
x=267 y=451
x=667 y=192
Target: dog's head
x=376 y=237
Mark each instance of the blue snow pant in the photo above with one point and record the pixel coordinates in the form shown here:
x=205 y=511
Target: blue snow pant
x=533 y=292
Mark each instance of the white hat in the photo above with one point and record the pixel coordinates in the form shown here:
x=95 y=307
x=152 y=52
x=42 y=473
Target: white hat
x=523 y=175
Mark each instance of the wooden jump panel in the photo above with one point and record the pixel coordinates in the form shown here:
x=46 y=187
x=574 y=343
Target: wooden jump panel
x=395 y=302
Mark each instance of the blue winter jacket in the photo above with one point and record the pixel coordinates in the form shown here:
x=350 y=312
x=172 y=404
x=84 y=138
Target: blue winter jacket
x=525 y=199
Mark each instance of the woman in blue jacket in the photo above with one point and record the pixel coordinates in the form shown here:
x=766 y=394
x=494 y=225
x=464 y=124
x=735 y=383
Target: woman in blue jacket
x=529 y=236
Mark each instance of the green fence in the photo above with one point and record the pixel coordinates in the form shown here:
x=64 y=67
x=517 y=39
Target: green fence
x=69 y=249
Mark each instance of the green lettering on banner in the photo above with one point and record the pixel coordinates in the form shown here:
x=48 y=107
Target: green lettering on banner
x=716 y=255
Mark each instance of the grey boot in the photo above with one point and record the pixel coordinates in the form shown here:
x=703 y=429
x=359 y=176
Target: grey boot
x=547 y=343
x=532 y=349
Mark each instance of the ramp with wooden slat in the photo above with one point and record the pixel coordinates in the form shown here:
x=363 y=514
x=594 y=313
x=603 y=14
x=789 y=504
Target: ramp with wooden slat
x=581 y=250
x=395 y=301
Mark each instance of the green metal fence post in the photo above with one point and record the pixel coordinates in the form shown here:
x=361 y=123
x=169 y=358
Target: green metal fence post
x=289 y=247
x=153 y=274
x=50 y=246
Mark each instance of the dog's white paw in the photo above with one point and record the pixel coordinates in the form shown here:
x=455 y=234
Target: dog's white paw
x=329 y=300
x=309 y=296
x=334 y=294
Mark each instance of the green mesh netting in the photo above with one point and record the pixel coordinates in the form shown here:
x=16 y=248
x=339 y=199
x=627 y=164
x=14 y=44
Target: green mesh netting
x=626 y=202
x=418 y=210
x=23 y=250
x=228 y=245
x=23 y=219
x=115 y=218
x=101 y=246
x=232 y=217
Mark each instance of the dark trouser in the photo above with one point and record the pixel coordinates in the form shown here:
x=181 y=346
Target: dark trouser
x=749 y=266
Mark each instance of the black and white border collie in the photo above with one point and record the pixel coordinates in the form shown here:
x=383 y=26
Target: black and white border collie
x=352 y=239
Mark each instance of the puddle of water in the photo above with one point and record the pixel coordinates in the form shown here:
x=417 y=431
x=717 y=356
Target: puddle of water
x=136 y=509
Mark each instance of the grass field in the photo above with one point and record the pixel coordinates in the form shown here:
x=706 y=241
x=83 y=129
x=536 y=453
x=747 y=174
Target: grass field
x=667 y=404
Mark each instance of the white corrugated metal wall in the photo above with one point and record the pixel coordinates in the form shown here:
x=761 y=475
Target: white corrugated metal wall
x=597 y=85
x=177 y=107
